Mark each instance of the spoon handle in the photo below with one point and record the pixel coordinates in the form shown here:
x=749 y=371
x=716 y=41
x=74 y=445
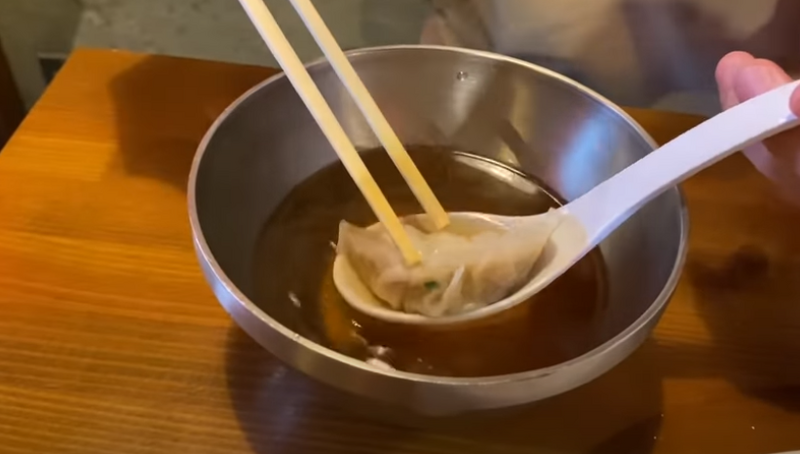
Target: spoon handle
x=606 y=206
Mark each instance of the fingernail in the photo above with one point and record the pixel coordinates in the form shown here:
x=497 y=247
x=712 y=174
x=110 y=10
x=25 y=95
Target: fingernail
x=757 y=79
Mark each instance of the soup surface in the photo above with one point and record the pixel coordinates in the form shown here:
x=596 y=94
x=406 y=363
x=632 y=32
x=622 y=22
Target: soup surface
x=295 y=254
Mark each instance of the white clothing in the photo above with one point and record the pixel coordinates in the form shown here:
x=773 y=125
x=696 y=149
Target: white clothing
x=636 y=52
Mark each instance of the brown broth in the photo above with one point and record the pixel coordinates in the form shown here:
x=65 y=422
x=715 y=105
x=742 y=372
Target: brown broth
x=295 y=253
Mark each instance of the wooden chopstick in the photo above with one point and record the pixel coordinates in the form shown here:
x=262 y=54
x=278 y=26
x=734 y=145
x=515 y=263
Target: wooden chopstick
x=298 y=75
x=372 y=113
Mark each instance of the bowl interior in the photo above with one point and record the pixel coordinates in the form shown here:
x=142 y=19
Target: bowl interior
x=511 y=112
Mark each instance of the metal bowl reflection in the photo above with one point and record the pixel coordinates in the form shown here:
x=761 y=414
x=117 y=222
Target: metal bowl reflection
x=266 y=142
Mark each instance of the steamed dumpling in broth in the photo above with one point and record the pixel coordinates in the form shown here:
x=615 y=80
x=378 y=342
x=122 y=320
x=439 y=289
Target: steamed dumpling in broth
x=462 y=269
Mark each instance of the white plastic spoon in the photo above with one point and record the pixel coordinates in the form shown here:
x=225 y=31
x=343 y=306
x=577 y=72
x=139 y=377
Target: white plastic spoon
x=593 y=216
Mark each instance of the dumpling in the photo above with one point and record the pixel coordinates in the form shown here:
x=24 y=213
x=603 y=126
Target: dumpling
x=461 y=269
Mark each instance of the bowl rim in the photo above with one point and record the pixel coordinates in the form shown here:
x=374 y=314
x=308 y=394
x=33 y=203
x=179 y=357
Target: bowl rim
x=640 y=323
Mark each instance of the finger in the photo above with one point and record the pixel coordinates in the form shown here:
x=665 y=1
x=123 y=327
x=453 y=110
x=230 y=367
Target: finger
x=758 y=77
x=779 y=166
x=794 y=101
x=727 y=69
x=778 y=158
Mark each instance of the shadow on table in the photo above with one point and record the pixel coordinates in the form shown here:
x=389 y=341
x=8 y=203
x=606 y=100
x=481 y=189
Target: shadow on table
x=744 y=279
x=751 y=306
x=282 y=411
x=190 y=94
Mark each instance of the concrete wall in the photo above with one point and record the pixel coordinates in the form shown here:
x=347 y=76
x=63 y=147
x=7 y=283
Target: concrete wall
x=209 y=29
x=219 y=29
x=30 y=27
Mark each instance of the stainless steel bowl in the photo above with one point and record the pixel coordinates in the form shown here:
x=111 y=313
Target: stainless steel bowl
x=266 y=142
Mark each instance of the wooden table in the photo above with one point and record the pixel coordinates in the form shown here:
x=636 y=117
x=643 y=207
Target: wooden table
x=111 y=342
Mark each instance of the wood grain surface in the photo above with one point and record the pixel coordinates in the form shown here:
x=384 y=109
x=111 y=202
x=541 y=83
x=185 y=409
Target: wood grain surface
x=111 y=342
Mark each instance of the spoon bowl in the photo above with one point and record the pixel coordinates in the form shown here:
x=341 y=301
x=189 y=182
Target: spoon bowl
x=548 y=267
x=589 y=219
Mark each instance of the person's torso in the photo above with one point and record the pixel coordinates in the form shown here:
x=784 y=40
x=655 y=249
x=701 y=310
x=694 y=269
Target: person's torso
x=637 y=52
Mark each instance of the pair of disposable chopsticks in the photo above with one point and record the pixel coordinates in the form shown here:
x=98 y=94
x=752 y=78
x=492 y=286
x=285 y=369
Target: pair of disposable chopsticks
x=271 y=33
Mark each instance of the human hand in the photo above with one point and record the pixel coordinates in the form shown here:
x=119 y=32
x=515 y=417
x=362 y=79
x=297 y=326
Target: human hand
x=740 y=76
